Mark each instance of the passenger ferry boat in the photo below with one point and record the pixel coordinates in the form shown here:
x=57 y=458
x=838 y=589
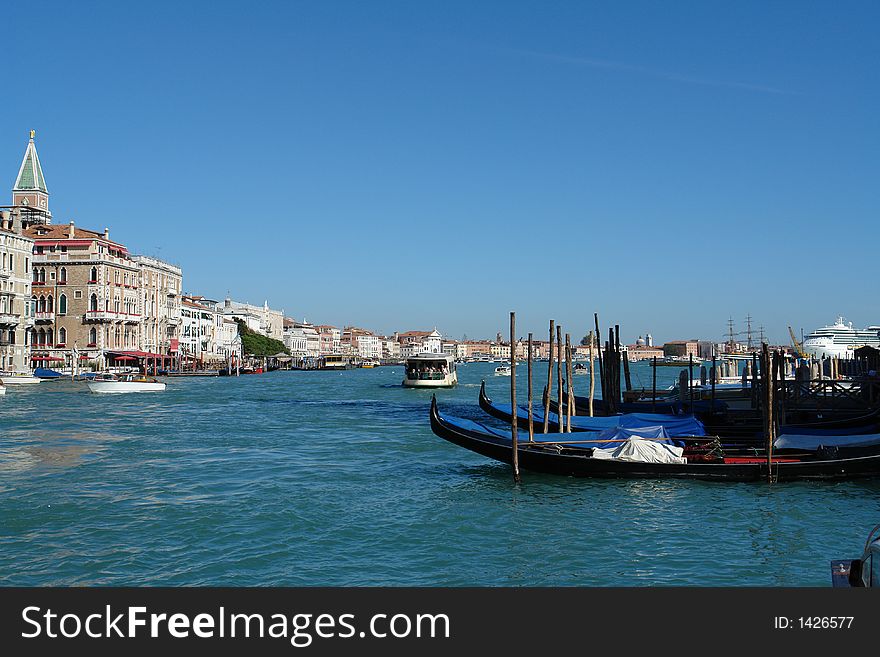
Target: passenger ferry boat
x=430 y=371
x=336 y=362
x=502 y=370
x=840 y=340
x=119 y=383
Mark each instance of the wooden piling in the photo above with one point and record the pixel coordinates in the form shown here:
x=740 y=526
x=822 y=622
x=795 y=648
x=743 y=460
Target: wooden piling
x=549 y=391
x=569 y=403
x=626 y=371
x=654 y=387
x=592 y=376
x=601 y=364
x=559 y=355
x=531 y=420
x=713 y=376
x=513 y=414
x=769 y=429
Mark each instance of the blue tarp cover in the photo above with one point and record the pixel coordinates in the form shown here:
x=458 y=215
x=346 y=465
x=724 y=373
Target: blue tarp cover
x=587 y=439
x=676 y=425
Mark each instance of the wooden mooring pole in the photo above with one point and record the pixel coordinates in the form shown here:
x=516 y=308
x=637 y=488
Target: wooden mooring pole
x=769 y=429
x=569 y=403
x=513 y=436
x=601 y=364
x=549 y=389
x=654 y=387
x=592 y=376
x=559 y=355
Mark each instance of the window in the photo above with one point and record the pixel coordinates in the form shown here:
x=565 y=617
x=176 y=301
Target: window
x=50 y=306
x=62 y=335
x=93 y=276
x=77 y=294
x=93 y=336
x=62 y=305
x=93 y=303
x=62 y=276
x=51 y=275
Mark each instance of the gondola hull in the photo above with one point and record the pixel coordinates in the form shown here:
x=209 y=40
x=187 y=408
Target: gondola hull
x=574 y=462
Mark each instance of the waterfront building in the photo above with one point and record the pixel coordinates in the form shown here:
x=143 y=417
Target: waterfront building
x=85 y=295
x=228 y=346
x=683 y=348
x=636 y=352
x=369 y=346
x=500 y=350
x=477 y=348
x=260 y=319
x=16 y=320
x=417 y=342
x=202 y=326
x=302 y=339
x=328 y=339
x=160 y=287
x=390 y=348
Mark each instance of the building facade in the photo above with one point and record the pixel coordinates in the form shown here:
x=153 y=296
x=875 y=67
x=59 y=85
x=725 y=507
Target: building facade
x=16 y=321
x=160 y=285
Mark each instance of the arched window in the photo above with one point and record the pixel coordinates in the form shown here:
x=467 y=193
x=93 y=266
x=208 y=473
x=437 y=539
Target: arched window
x=41 y=306
x=93 y=276
x=50 y=336
x=41 y=337
x=62 y=304
x=42 y=275
x=50 y=304
x=93 y=302
x=93 y=336
x=62 y=276
x=33 y=305
x=62 y=335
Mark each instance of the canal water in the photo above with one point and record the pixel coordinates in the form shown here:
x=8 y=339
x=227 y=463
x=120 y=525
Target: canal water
x=334 y=478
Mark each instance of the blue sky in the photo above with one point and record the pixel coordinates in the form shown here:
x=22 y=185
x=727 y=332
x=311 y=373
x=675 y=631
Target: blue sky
x=402 y=165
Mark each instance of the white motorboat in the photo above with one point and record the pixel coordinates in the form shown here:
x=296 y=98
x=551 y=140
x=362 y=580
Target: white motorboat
x=120 y=383
x=430 y=370
x=2 y=388
x=502 y=370
x=18 y=378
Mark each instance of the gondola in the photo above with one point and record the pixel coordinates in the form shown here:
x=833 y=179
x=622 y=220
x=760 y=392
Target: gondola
x=562 y=457
x=677 y=425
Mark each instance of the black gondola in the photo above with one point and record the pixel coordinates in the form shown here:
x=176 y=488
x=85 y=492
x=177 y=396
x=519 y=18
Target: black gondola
x=567 y=459
x=678 y=425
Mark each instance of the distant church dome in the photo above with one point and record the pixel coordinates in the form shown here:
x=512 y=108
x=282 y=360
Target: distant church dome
x=640 y=342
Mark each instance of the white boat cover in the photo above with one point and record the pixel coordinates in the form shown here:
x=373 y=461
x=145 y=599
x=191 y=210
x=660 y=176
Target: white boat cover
x=812 y=443
x=641 y=450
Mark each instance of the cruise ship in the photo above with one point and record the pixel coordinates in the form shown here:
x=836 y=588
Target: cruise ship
x=840 y=340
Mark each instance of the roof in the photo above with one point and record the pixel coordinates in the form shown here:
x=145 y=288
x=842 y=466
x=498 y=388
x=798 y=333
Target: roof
x=30 y=175
x=62 y=232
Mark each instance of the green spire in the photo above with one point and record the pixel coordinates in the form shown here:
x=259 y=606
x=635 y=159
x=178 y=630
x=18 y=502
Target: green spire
x=30 y=176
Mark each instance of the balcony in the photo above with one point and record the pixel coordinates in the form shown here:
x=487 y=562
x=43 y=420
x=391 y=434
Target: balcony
x=44 y=316
x=100 y=316
x=171 y=291
x=8 y=319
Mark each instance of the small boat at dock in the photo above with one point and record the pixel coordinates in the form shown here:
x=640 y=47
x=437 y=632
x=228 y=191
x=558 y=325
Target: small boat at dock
x=122 y=383
x=18 y=378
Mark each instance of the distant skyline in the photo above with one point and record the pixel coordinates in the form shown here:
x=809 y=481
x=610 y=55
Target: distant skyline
x=400 y=165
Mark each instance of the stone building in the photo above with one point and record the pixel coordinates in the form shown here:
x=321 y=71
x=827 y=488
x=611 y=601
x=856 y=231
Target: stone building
x=85 y=296
x=160 y=290
x=15 y=293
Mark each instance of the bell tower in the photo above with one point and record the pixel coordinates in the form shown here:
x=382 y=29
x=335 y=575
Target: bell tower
x=30 y=192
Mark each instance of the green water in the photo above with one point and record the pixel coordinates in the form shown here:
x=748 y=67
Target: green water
x=334 y=478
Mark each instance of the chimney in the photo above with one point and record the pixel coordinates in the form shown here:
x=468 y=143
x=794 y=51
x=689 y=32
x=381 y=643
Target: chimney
x=106 y=233
x=4 y=219
x=70 y=231
x=16 y=216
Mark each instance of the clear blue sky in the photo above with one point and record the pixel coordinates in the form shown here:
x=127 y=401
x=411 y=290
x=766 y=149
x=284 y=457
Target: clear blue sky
x=404 y=164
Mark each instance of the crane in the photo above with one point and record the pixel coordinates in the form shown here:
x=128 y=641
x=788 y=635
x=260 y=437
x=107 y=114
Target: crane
x=798 y=347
